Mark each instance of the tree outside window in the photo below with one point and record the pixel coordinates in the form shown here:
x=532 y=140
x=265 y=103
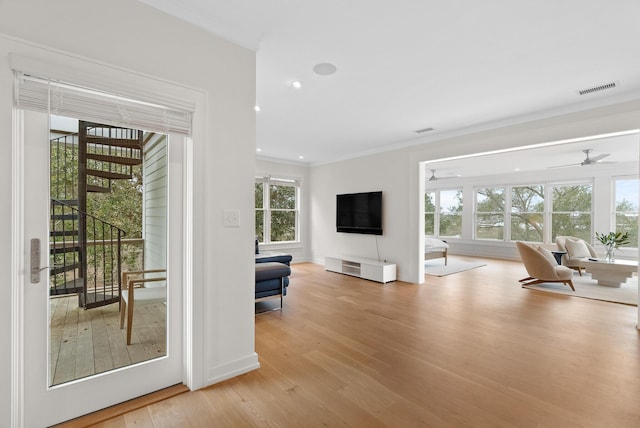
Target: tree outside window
x=276 y=202
x=283 y=213
x=527 y=213
x=429 y=213
x=450 y=213
x=626 y=200
x=260 y=211
x=571 y=211
x=490 y=213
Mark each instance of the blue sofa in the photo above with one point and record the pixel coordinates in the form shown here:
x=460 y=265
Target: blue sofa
x=272 y=274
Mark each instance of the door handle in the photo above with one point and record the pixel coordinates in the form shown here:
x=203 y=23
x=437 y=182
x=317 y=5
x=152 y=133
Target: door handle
x=35 y=261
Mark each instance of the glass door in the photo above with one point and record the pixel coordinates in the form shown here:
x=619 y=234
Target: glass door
x=77 y=358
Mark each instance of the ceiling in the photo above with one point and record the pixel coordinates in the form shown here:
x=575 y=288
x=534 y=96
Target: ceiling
x=406 y=65
x=620 y=149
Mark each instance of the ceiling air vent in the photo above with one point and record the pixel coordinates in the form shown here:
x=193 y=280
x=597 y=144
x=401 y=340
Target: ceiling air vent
x=598 y=88
x=420 y=131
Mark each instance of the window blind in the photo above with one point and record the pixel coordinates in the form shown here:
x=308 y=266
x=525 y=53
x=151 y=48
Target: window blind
x=65 y=99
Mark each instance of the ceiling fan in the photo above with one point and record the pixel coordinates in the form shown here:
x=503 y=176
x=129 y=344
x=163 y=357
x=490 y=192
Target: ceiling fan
x=434 y=178
x=588 y=160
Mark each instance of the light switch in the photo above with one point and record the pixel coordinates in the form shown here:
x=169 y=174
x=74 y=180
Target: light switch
x=231 y=218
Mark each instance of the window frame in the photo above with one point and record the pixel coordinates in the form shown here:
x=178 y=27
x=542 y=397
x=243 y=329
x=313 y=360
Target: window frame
x=266 y=182
x=505 y=229
x=435 y=210
x=549 y=208
x=438 y=209
x=614 y=205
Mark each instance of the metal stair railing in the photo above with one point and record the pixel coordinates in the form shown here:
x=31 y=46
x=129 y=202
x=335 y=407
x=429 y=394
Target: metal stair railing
x=100 y=269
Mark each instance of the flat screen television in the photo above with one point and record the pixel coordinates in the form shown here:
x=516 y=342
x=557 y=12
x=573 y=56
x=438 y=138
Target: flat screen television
x=359 y=213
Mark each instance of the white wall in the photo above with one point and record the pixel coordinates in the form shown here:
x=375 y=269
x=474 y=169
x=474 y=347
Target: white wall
x=131 y=36
x=387 y=172
x=299 y=251
x=401 y=177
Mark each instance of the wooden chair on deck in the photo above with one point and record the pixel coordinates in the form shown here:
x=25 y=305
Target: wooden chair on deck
x=135 y=289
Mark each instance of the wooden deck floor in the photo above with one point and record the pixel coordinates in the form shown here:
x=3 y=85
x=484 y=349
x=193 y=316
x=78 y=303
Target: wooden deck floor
x=87 y=342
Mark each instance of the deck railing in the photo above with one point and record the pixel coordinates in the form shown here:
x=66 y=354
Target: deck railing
x=84 y=260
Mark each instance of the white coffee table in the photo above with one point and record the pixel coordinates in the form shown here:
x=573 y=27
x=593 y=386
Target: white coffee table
x=610 y=274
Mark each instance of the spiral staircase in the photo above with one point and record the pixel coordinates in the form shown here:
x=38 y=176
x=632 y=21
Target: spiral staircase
x=86 y=251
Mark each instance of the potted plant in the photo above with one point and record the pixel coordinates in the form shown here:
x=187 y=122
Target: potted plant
x=612 y=241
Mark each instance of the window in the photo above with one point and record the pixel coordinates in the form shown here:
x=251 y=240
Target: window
x=490 y=213
x=277 y=204
x=571 y=211
x=626 y=208
x=527 y=213
x=443 y=213
x=429 y=213
x=450 y=213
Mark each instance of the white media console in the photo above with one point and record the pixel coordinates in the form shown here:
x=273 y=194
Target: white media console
x=362 y=268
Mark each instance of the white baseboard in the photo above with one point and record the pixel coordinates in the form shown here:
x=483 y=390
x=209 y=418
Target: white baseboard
x=232 y=369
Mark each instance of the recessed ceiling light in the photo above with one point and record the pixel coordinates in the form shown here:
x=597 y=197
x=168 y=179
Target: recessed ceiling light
x=257 y=108
x=324 y=69
x=300 y=157
x=517 y=169
x=258 y=150
x=296 y=84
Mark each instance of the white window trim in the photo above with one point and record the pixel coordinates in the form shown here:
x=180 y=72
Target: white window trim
x=548 y=207
x=548 y=204
x=436 y=219
x=504 y=187
x=266 y=181
x=614 y=212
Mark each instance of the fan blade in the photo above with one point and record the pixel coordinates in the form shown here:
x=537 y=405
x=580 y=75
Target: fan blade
x=598 y=158
x=565 y=166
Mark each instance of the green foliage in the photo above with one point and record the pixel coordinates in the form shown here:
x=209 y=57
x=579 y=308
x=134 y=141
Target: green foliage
x=490 y=200
x=429 y=213
x=571 y=211
x=282 y=200
x=627 y=221
x=64 y=168
x=282 y=212
x=259 y=195
x=490 y=213
x=282 y=197
x=613 y=239
x=123 y=206
x=572 y=198
x=450 y=223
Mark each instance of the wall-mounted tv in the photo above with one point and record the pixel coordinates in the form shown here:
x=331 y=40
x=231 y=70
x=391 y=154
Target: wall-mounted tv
x=359 y=213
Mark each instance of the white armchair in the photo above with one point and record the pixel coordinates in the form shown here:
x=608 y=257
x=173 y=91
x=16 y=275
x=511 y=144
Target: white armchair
x=542 y=266
x=577 y=250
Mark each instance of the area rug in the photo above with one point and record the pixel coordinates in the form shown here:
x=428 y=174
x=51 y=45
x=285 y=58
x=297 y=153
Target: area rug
x=452 y=267
x=588 y=288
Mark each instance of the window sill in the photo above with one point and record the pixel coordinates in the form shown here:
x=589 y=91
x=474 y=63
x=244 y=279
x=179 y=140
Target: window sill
x=280 y=245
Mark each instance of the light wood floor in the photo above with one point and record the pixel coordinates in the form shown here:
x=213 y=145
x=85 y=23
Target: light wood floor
x=472 y=349
x=87 y=342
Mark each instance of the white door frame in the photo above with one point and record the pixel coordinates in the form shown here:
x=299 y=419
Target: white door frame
x=193 y=302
